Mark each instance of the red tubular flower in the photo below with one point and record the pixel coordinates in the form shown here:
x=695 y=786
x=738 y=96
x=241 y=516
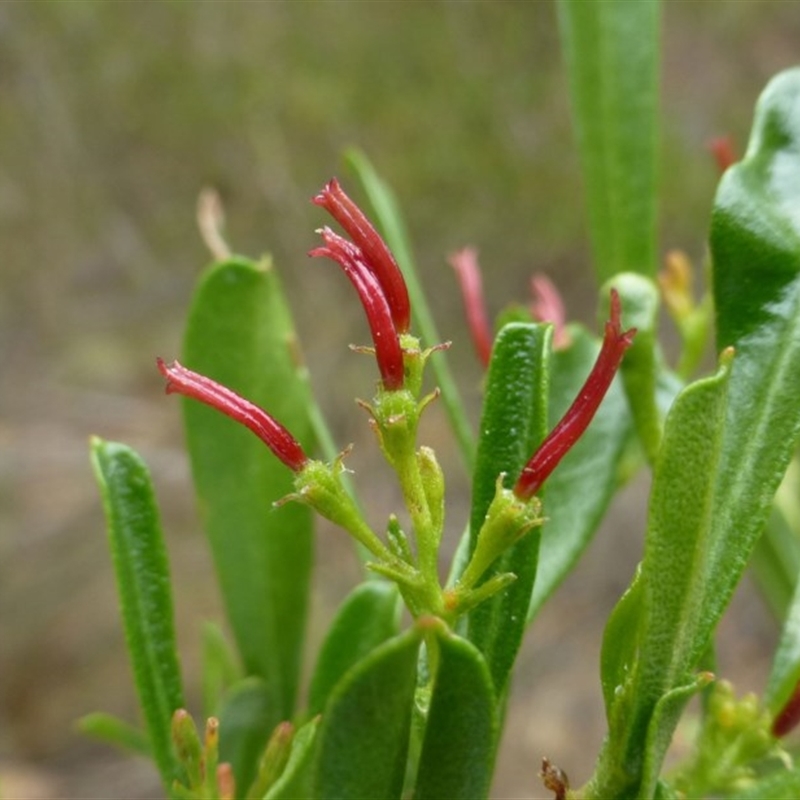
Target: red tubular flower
x=468 y=272
x=384 y=334
x=580 y=413
x=376 y=254
x=191 y=384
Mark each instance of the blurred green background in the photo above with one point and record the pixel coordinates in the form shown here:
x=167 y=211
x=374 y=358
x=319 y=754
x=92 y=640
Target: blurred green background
x=113 y=116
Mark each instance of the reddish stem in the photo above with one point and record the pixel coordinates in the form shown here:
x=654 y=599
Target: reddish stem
x=388 y=352
x=191 y=384
x=376 y=254
x=572 y=425
x=468 y=272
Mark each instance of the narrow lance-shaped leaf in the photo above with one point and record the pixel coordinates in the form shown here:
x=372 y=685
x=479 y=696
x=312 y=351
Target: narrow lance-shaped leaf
x=514 y=422
x=143 y=583
x=457 y=756
x=239 y=333
x=364 y=734
x=675 y=625
x=611 y=50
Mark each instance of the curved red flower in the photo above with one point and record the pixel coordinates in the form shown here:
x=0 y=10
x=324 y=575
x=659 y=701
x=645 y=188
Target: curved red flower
x=578 y=416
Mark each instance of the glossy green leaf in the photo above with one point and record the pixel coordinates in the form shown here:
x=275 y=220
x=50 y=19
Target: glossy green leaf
x=581 y=487
x=143 y=582
x=112 y=730
x=296 y=782
x=458 y=749
x=245 y=725
x=393 y=228
x=364 y=733
x=220 y=670
x=611 y=50
x=239 y=333
x=367 y=618
x=677 y=617
x=755 y=244
x=513 y=423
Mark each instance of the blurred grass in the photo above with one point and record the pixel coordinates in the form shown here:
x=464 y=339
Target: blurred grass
x=114 y=115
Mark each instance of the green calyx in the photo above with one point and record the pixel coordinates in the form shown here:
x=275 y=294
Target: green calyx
x=508 y=519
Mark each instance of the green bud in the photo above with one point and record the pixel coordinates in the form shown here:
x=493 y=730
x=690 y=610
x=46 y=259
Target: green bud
x=433 y=486
x=187 y=747
x=398 y=541
x=273 y=760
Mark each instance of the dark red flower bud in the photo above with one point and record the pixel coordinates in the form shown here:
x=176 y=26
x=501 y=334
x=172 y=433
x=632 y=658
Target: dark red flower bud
x=384 y=334
x=376 y=254
x=191 y=384
x=468 y=272
x=580 y=413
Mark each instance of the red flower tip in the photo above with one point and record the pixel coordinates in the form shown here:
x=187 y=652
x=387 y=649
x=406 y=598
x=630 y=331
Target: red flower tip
x=388 y=352
x=724 y=152
x=578 y=416
x=376 y=254
x=468 y=272
x=191 y=384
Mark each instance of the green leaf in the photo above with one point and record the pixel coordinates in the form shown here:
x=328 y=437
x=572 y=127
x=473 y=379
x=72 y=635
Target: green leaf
x=755 y=245
x=679 y=565
x=364 y=733
x=776 y=558
x=245 y=725
x=620 y=642
x=785 y=673
x=367 y=618
x=513 y=423
x=612 y=51
x=581 y=487
x=220 y=670
x=239 y=333
x=782 y=785
x=143 y=582
x=393 y=228
x=458 y=750
x=112 y=730
x=665 y=717
x=296 y=780
x=642 y=364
